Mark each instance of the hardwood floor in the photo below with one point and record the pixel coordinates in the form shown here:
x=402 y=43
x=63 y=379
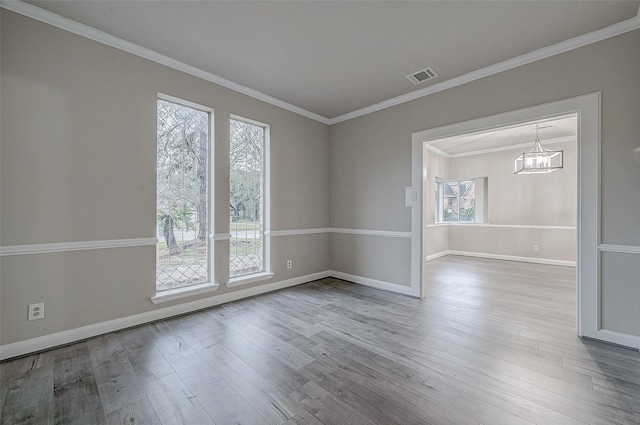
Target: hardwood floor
x=493 y=343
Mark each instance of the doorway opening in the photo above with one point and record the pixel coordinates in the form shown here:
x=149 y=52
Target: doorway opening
x=475 y=205
x=586 y=110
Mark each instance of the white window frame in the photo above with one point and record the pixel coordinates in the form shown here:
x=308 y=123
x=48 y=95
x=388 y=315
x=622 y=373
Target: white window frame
x=439 y=207
x=266 y=274
x=210 y=285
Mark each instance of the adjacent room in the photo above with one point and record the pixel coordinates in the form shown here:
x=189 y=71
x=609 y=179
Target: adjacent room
x=319 y=212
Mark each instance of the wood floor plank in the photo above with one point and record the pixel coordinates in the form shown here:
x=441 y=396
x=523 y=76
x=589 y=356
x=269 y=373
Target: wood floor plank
x=26 y=389
x=194 y=329
x=325 y=407
x=28 y=400
x=174 y=403
x=523 y=368
x=169 y=343
x=286 y=320
x=117 y=381
x=3 y=395
x=273 y=405
x=429 y=409
x=76 y=399
x=379 y=409
x=493 y=393
x=485 y=412
x=221 y=402
x=267 y=364
x=147 y=361
x=140 y=412
x=279 y=348
x=392 y=372
x=493 y=343
x=592 y=413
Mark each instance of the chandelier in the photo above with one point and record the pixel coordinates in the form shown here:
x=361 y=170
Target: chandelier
x=538 y=160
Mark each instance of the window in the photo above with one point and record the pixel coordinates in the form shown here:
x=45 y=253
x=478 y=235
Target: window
x=247 y=195
x=183 y=254
x=456 y=200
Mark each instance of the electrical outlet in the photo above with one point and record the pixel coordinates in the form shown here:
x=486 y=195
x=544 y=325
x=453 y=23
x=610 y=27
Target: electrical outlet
x=536 y=248
x=289 y=264
x=36 y=311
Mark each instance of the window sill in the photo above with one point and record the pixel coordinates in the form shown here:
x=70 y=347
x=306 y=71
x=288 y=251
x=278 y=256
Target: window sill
x=189 y=291
x=252 y=278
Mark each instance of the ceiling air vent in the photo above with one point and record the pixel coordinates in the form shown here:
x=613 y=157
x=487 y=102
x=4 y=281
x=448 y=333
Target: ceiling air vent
x=420 y=76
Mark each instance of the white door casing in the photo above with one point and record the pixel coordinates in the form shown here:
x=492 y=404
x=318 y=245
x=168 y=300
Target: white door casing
x=587 y=108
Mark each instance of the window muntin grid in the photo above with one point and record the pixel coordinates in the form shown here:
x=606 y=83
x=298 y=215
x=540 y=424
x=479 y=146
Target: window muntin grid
x=183 y=150
x=455 y=201
x=246 y=196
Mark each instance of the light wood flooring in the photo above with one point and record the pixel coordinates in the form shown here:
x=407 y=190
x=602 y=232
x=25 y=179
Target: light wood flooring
x=493 y=343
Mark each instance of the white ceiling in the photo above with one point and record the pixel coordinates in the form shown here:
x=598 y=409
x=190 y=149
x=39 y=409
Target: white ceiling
x=550 y=131
x=333 y=58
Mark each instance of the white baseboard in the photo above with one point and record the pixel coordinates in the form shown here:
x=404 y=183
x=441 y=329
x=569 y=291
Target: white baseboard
x=20 y=348
x=549 y=261
x=378 y=284
x=618 y=338
x=436 y=256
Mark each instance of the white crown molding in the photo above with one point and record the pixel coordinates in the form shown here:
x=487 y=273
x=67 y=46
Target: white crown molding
x=543 y=53
x=74 y=246
x=86 y=31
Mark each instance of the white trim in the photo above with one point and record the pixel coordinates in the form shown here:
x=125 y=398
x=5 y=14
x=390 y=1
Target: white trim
x=549 y=261
x=505 y=226
x=588 y=222
x=187 y=103
x=266 y=187
x=384 y=233
x=624 y=249
x=626 y=340
x=184 y=292
x=543 y=53
x=436 y=256
x=500 y=148
x=222 y=236
x=74 y=246
x=72 y=335
x=342 y=230
x=135 y=49
x=295 y=232
x=245 y=280
x=429 y=226
x=373 y=283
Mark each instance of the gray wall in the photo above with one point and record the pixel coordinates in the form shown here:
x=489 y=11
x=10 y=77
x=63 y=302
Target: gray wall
x=78 y=164
x=371 y=155
x=521 y=200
